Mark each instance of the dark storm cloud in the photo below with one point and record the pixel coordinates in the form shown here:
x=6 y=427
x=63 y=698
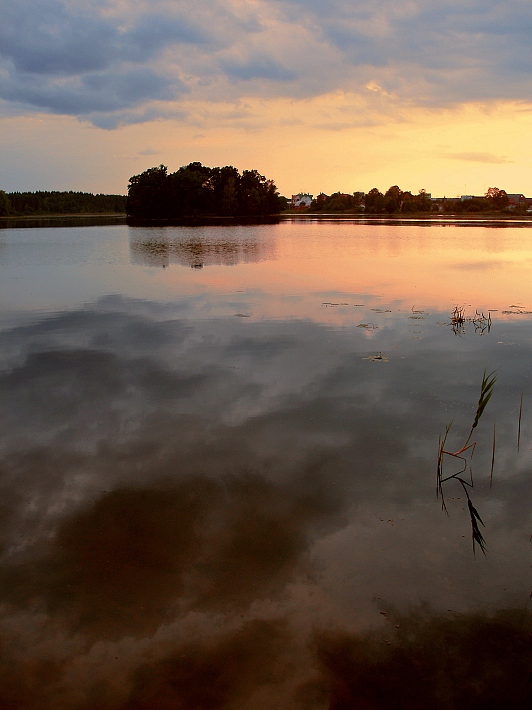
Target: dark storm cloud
x=423 y=52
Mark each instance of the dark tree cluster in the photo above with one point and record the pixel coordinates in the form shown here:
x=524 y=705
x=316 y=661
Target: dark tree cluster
x=374 y=202
x=5 y=204
x=196 y=191
x=395 y=200
x=494 y=200
x=338 y=202
x=39 y=203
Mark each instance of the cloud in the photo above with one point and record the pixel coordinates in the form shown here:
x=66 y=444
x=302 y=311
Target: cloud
x=480 y=158
x=81 y=59
x=93 y=92
x=403 y=665
x=202 y=510
x=149 y=151
x=258 y=68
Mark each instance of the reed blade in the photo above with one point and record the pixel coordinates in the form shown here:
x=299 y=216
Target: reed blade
x=486 y=391
x=493 y=454
x=519 y=423
x=476 y=534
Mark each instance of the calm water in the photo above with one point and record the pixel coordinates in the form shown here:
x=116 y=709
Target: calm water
x=219 y=463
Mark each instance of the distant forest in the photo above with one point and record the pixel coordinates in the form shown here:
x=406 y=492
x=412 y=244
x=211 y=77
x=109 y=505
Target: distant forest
x=42 y=203
x=196 y=190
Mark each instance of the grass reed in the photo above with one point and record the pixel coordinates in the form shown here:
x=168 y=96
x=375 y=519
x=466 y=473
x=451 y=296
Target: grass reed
x=480 y=321
x=519 y=422
x=486 y=392
x=492 y=454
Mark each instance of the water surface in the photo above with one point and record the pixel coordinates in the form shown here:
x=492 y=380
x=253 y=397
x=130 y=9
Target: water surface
x=219 y=466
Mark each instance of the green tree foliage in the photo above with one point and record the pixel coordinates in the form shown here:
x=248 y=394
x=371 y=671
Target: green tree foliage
x=39 y=203
x=196 y=190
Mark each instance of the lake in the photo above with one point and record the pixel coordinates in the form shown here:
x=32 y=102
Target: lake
x=220 y=465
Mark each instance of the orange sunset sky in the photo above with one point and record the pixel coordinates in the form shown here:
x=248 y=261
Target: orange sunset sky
x=343 y=95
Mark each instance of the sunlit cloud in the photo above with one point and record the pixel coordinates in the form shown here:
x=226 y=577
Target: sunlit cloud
x=481 y=158
x=83 y=59
x=327 y=76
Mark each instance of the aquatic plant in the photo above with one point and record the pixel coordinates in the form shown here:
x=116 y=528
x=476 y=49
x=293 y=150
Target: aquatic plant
x=486 y=391
x=480 y=321
x=519 y=423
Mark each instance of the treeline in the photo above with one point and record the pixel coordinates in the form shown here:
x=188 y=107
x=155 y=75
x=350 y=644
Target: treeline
x=494 y=200
x=397 y=201
x=373 y=202
x=196 y=190
x=39 y=203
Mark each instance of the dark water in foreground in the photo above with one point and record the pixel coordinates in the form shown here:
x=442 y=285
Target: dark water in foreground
x=218 y=467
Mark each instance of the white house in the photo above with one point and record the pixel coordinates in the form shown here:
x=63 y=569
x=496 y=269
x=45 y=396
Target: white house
x=302 y=199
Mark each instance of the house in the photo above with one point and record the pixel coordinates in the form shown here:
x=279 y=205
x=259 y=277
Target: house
x=516 y=199
x=302 y=199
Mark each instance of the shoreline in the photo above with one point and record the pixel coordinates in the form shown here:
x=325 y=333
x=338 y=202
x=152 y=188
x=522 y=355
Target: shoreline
x=78 y=219
x=59 y=215
x=415 y=216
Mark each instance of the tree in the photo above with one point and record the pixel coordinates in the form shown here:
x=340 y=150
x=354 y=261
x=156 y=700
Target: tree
x=5 y=204
x=147 y=193
x=197 y=190
x=393 y=201
x=498 y=199
x=374 y=201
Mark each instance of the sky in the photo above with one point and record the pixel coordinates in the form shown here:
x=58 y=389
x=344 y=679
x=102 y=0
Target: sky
x=337 y=96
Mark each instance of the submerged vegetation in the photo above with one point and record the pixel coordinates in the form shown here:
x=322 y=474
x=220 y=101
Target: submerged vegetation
x=196 y=190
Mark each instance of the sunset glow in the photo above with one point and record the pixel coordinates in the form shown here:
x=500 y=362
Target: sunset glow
x=329 y=97
x=400 y=267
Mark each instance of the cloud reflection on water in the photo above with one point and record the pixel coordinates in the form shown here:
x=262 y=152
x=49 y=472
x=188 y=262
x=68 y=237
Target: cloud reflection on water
x=201 y=515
